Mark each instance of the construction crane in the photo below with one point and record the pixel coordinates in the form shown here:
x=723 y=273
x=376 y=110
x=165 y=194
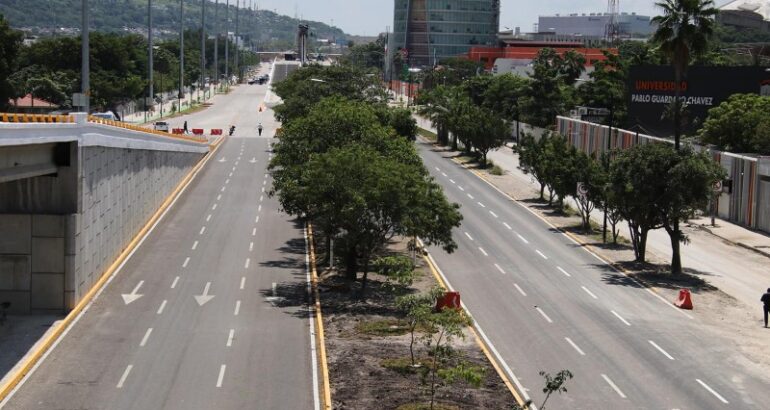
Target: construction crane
x=612 y=29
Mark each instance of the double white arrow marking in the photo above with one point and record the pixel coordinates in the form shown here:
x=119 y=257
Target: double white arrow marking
x=205 y=297
x=133 y=295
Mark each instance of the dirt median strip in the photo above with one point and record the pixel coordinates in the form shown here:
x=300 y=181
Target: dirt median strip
x=327 y=398
x=33 y=358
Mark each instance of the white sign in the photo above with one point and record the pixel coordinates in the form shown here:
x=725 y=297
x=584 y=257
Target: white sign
x=582 y=190
x=717 y=186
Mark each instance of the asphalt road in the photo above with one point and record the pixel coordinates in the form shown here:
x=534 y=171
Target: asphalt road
x=547 y=304
x=210 y=311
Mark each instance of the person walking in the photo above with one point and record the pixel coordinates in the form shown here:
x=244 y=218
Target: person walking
x=186 y=131
x=765 y=299
x=259 y=129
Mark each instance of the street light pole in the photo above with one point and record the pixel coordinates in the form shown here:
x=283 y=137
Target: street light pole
x=607 y=169
x=237 y=46
x=227 y=44
x=151 y=90
x=216 y=42
x=203 y=48
x=85 y=77
x=181 y=54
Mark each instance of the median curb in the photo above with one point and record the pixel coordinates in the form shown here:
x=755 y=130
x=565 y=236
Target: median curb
x=320 y=339
x=479 y=341
x=53 y=336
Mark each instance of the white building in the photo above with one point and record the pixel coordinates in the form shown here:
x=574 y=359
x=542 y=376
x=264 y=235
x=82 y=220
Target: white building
x=594 y=24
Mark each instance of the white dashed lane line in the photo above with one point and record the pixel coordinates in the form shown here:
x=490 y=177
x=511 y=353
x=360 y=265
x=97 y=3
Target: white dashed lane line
x=461 y=188
x=483 y=251
x=544 y=315
x=251 y=246
x=256 y=220
x=516 y=285
x=195 y=245
x=660 y=349
x=452 y=181
x=620 y=317
x=523 y=239
x=221 y=377
x=213 y=207
x=470 y=196
x=237 y=308
x=500 y=269
x=541 y=254
x=219 y=197
x=563 y=271
x=186 y=261
x=203 y=229
x=162 y=306
x=444 y=174
x=173 y=284
x=589 y=292
x=468 y=235
x=254 y=232
x=712 y=391
x=493 y=214
x=208 y=217
x=124 y=376
x=507 y=226
x=230 y=338
x=243 y=283
x=481 y=205
x=575 y=346
x=146 y=337
x=614 y=386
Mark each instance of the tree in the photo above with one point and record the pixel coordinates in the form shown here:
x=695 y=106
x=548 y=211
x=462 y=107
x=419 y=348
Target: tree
x=545 y=97
x=503 y=94
x=417 y=309
x=588 y=171
x=434 y=105
x=10 y=44
x=607 y=88
x=367 y=56
x=489 y=133
x=739 y=124
x=532 y=161
x=572 y=65
x=683 y=32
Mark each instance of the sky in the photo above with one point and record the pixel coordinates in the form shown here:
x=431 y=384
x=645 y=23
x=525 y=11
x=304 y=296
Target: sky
x=369 y=17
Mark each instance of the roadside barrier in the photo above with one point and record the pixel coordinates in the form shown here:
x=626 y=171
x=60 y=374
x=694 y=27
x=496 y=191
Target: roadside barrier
x=449 y=300
x=120 y=124
x=197 y=131
x=177 y=131
x=36 y=118
x=684 y=301
x=216 y=131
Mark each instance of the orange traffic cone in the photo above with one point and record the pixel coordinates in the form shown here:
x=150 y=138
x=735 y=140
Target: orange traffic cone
x=684 y=301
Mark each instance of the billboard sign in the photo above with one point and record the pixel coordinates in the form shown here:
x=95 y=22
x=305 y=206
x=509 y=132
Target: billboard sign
x=652 y=89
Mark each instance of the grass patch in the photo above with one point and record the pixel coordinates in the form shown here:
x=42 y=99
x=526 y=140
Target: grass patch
x=426 y=406
x=384 y=327
x=496 y=170
x=400 y=365
x=428 y=135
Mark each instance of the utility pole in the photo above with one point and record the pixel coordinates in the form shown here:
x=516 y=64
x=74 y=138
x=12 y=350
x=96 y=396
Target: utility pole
x=216 y=42
x=203 y=48
x=151 y=91
x=237 y=46
x=85 y=86
x=181 y=54
x=227 y=43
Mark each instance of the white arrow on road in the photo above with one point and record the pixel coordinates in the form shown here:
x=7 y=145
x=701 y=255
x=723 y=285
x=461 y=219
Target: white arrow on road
x=205 y=297
x=222 y=159
x=253 y=160
x=274 y=298
x=133 y=295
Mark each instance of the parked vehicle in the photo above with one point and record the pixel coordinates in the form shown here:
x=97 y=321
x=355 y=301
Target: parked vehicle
x=161 y=126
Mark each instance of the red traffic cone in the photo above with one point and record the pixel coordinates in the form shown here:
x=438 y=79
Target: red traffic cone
x=684 y=301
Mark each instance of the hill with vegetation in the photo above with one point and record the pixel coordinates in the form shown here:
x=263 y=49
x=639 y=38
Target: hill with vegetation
x=263 y=29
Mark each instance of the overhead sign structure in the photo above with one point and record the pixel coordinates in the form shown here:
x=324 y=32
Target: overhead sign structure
x=652 y=90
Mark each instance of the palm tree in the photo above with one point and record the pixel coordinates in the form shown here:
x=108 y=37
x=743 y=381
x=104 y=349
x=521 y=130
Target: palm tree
x=684 y=30
x=434 y=106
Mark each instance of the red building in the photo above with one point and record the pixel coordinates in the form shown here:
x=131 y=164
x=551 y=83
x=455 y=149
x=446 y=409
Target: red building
x=527 y=50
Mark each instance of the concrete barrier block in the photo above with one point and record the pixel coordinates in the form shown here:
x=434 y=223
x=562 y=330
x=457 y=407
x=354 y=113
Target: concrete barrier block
x=15 y=234
x=49 y=226
x=15 y=272
x=47 y=291
x=48 y=255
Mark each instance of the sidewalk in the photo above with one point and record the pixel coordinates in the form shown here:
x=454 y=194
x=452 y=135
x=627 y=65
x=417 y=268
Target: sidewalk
x=166 y=108
x=732 y=258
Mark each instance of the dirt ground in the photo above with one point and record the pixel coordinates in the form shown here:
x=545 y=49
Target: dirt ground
x=359 y=379
x=720 y=314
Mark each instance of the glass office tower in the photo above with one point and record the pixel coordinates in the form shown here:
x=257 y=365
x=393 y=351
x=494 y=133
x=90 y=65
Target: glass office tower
x=430 y=30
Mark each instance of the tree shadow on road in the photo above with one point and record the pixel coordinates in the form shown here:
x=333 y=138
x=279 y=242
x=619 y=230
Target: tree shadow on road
x=655 y=275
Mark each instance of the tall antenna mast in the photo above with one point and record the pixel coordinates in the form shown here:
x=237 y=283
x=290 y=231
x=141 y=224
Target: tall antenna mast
x=612 y=29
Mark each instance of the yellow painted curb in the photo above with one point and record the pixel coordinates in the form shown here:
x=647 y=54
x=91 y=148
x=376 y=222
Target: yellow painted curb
x=54 y=335
x=479 y=340
x=327 y=395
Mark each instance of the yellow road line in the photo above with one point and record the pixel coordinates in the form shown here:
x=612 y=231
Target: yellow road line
x=327 y=395
x=479 y=340
x=54 y=335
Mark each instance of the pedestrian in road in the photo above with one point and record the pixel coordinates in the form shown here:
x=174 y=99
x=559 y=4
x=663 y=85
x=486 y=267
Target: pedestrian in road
x=186 y=131
x=766 y=304
x=259 y=129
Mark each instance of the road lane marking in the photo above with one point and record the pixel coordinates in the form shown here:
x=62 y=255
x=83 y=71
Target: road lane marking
x=124 y=376
x=219 y=197
x=660 y=349
x=230 y=338
x=582 y=353
x=500 y=269
x=223 y=189
x=237 y=308
x=256 y=220
x=195 y=245
x=493 y=214
x=231 y=174
x=133 y=296
x=186 y=261
x=470 y=196
x=452 y=180
x=203 y=229
x=468 y=235
x=481 y=205
x=162 y=306
x=563 y=271
x=483 y=251
x=221 y=375
x=620 y=317
x=265 y=181
x=254 y=232
x=589 y=292
x=173 y=284
x=246 y=264
x=251 y=246
x=145 y=338
x=444 y=174
x=438 y=169
x=261 y=198
x=208 y=217
x=507 y=226
x=263 y=189
x=213 y=207
x=516 y=285
x=461 y=188
x=243 y=282
x=712 y=391
x=613 y=385
x=259 y=208
x=233 y=168
x=522 y=238
x=227 y=181
x=541 y=254
x=544 y=315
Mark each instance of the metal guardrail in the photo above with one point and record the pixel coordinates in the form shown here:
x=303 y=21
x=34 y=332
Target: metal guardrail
x=36 y=118
x=120 y=124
